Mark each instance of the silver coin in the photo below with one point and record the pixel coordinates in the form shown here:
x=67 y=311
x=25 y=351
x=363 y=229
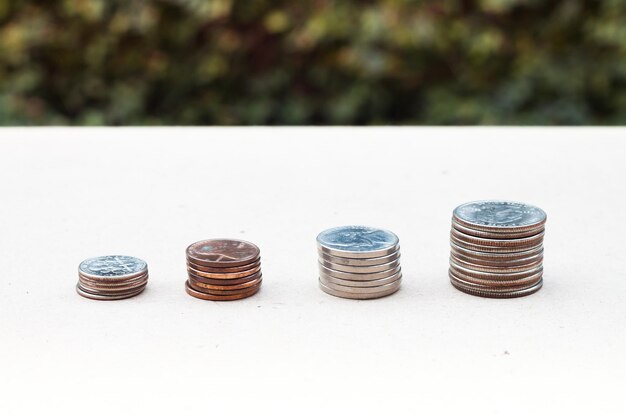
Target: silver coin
x=494 y=249
x=106 y=288
x=372 y=283
x=499 y=234
x=353 y=296
x=358 y=277
x=361 y=269
x=357 y=242
x=530 y=280
x=359 y=261
x=113 y=267
x=361 y=290
x=112 y=284
x=494 y=275
x=497 y=263
x=511 y=294
x=500 y=269
x=517 y=242
x=506 y=256
x=87 y=294
x=499 y=215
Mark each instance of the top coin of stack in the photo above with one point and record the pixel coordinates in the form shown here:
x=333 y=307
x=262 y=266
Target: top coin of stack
x=111 y=277
x=359 y=262
x=497 y=249
x=223 y=269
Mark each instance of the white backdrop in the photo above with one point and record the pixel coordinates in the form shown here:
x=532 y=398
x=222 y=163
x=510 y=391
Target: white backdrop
x=69 y=194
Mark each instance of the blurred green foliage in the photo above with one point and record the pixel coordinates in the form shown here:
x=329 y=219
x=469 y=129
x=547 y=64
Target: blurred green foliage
x=195 y=62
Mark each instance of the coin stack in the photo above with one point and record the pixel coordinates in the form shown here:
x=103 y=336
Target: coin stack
x=359 y=262
x=497 y=249
x=112 y=277
x=223 y=269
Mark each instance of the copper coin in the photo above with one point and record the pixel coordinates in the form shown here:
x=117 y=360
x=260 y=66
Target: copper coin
x=502 y=269
x=223 y=292
x=496 y=235
x=217 y=253
x=226 y=269
x=212 y=281
x=481 y=241
x=201 y=286
x=497 y=283
x=204 y=296
x=230 y=275
x=510 y=294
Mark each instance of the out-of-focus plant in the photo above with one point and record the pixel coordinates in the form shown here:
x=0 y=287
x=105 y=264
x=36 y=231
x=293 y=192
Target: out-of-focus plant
x=202 y=62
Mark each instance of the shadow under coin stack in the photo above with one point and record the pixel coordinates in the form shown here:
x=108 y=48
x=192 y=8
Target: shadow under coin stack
x=223 y=269
x=359 y=262
x=112 y=277
x=497 y=249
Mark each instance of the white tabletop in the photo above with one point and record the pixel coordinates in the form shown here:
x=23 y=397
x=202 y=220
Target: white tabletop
x=292 y=349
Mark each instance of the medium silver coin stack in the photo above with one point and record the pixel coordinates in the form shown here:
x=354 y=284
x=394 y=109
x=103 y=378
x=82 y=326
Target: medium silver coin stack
x=112 y=277
x=497 y=249
x=359 y=262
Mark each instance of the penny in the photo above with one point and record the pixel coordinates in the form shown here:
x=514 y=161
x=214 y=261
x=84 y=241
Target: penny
x=112 y=267
x=204 y=296
x=353 y=296
x=494 y=215
x=359 y=261
x=224 y=292
x=224 y=282
x=511 y=294
x=358 y=277
x=371 y=283
x=222 y=253
x=200 y=286
x=225 y=269
x=357 y=242
x=521 y=242
x=230 y=275
x=360 y=269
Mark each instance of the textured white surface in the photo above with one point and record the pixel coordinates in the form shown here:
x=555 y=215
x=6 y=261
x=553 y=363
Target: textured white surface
x=291 y=349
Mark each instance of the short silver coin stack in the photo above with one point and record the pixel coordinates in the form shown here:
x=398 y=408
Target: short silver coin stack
x=359 y=262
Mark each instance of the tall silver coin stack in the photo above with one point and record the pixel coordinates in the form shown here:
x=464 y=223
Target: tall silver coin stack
x=112 y=277
x=497 y=249
x=359 y=262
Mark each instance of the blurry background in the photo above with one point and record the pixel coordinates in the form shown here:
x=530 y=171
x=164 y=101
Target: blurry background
x=203 y=62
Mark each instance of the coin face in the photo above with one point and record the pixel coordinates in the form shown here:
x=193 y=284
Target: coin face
x=112 y=266
x=358 y=241
x=500 y=214
x=223 y=252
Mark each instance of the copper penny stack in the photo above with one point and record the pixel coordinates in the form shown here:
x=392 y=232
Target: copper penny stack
x=223 y=269
x=497 y=249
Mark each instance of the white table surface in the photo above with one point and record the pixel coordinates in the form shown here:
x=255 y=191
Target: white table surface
x=291 y=349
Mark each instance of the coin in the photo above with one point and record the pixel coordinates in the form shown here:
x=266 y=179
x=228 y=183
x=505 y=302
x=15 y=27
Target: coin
x=224 y=269
x=95 y=296
x=227 y=291
x=198 y=285
x=205 y=296
x=495 y=269
x=511 y=294
x=358 y=277
x=212 y=281
x=497 y=262
x=492 y=249
x=112 y=267
x=227 y=275
x=370 y=283
x=502 y=242
x=496 y=256
x=361 y=269
x=361 y=290
x=495 y=276
x=494 y=215
x=489 y=287
x=369 y=296
x=526 y=281
x=497 y=234
x=359 y=261
x=357 y=242
x=222 y=253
